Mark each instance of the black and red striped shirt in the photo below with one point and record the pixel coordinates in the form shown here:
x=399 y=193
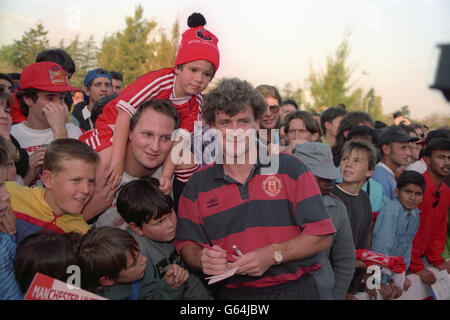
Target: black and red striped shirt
x=214 y=209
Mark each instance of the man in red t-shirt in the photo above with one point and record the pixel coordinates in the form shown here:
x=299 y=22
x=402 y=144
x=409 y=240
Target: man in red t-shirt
x=431 y=236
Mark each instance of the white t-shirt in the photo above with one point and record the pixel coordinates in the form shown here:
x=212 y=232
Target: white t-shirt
x=419 y=166
x=31 y=139
x=111 y=217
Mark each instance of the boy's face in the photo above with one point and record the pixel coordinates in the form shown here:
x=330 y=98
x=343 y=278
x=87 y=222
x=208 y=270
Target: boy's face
x=135 y=269
x=298 y=131
x=162 y=229
x=439 y=163
x=398 y=153
x=355 y=166
x=35 y=108
x=99 y=88
x=192 y=78
x=410 y=196
x=270 y=118
x=68 y=191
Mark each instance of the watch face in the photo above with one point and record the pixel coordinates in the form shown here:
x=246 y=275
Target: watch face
x=278 y=257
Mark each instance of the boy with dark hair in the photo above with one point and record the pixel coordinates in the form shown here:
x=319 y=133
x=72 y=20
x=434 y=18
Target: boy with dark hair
x=41 y=94
x=113 y=267
x=395 y=228
x=429 y=242
x=300 y=127
x=152 y=222
x=58 y=56
x=45 y=252
x=117 y=80
x=6 y=83
x=329 y=121
x=357 y=163
x=68 y=176
x=287 y=106
x=97 y=84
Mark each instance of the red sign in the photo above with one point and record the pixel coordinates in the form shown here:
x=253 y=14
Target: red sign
x=47 y=288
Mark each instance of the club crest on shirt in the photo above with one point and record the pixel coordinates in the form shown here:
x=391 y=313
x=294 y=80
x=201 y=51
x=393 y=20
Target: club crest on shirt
x=272 y=186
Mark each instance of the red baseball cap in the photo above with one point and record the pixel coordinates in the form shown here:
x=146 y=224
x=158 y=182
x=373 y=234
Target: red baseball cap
x=45 y=76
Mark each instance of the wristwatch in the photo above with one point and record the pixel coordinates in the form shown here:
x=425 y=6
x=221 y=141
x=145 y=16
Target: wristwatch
x=277 y=255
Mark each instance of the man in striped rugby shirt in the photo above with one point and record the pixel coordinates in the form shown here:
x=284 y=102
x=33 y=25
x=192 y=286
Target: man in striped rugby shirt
x=273 y=214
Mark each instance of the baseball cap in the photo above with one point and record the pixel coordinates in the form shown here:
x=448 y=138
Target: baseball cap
x=91 y=75
x=395 y=134
x=318 y=158
x=197 y=43
x=45 y=76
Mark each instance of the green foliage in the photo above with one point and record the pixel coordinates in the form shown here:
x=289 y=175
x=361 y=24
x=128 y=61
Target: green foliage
x=26 y=49
x=288 y=92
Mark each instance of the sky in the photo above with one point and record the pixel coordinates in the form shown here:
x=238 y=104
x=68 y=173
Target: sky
x=393 y=43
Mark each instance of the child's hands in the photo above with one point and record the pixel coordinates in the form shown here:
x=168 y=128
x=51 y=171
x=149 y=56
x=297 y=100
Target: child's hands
x=165 y=185
x=176 y=276
x=114 y=173
x=386 y=291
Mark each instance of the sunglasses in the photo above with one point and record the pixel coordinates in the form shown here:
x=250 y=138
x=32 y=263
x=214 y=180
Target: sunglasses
x=274 y=109
x=438 y=196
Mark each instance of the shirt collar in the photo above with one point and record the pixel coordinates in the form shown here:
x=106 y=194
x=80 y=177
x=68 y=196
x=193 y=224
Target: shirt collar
x=86 y=113
x=386 y=167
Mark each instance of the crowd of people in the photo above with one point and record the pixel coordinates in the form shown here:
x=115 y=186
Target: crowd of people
x=153 y=188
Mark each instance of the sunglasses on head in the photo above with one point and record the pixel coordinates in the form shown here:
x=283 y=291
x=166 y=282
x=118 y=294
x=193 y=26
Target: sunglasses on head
x=438 y=196
x=274 y=109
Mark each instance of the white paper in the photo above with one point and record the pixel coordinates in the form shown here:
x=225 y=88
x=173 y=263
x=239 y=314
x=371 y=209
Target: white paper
x=222 y=276
x=441 y=288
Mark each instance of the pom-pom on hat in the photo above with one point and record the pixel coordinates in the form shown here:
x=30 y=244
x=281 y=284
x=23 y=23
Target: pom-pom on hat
x=197 y=43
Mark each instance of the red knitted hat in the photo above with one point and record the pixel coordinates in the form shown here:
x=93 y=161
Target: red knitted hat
x=197 y=43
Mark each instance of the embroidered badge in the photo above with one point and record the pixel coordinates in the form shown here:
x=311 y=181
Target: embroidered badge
x=204 y=35
x=272 y=186
x=56 y=76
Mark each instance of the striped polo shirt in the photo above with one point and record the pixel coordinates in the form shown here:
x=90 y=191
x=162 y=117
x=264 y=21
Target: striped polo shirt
x=214 y=209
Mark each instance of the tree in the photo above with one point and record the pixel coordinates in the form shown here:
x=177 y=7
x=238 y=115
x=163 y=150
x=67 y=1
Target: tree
x=32 y=42
x=333 y=86
x=289 y=92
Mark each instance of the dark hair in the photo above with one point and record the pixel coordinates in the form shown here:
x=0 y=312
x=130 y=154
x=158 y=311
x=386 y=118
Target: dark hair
x=3 y=152
x=380 y=125
x=163 y=106
x=351 y=119
x=438 y=133
x=7 y=77
x=396 y=115
x=58 y=56
x=437 y=144
x=5 y=96
x=341 y=106
x=116 y=75
x=97 y=109
x=14 y=75
x=363 y=131
x=31 y=93
x=364 y=146
x=310 y=124
x=290 y=101
x=411 y=177
x=140 y=201
x=231 y=96
x=46 y=252
x=329 y=115
x=103 y=253
x=61 y=150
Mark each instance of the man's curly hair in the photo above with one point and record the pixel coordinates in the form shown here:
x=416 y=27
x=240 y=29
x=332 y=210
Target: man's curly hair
x=231 y=96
